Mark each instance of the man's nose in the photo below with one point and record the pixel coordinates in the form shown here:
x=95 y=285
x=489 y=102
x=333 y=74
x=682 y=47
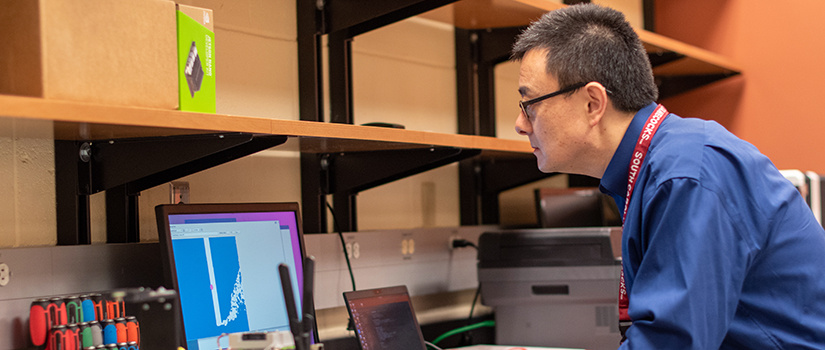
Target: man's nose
x=523 y=127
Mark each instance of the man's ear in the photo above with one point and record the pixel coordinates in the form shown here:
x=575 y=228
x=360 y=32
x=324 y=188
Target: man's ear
x=597 y=101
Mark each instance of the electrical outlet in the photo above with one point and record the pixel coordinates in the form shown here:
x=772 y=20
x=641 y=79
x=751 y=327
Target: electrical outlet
x=353 y=250
x=407 y=247
x=5 y=275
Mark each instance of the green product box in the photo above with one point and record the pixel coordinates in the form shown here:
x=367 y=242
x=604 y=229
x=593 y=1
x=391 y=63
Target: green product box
x=196 y=59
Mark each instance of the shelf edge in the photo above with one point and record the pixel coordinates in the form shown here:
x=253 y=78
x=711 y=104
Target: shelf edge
x=88 y=121
x=658 y=40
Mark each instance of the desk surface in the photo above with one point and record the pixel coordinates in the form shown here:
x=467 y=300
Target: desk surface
x=508 y=347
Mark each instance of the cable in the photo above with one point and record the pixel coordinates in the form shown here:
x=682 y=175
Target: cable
x=219 y=340
x=350 y=323
x=432 y=345
x=343 y=244
x=460 y=243
x=488 y=323
x=473 y=305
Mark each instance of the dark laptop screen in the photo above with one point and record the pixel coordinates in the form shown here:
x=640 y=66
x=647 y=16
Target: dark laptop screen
x=384 y=319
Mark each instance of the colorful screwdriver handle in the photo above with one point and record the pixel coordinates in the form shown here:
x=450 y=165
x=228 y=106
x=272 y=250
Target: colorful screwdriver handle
x=88 y=307
x=132 y=330
x=85 y=321
x=74 y=309
x=91 y=334
x=120 y=326
x=99 y=302
x=63 y=337
x=115 y=309
x=57 y=311
x=39 y=322
x=109 y=331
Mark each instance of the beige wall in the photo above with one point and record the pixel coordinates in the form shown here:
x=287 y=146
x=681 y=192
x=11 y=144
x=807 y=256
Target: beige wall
x=27 y=212
x=404 y=73
x=257 y=74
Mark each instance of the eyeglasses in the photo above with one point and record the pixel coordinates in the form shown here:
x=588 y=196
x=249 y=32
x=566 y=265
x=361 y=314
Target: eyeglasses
x=525 y=104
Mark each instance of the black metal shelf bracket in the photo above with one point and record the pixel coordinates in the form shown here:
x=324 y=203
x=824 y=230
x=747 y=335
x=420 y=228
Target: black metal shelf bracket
x=478 y=51
x=343 y=175
x=482 y=180
x=674 y=85
x=355 y=17
x=125 y=167
x=353 y=172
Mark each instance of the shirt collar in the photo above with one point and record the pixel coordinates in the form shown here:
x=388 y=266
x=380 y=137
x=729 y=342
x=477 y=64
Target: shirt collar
x=614 y=180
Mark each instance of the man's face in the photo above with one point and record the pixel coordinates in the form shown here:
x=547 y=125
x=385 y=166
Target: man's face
x=554 y=126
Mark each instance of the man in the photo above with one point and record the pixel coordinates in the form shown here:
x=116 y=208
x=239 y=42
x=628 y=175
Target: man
x=719 y=250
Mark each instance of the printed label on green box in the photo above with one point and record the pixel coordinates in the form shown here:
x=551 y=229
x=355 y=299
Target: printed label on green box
x=196 y=65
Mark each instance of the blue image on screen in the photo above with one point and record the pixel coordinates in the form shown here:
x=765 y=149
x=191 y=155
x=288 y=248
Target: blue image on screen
x=210 y=307
x=230 y=297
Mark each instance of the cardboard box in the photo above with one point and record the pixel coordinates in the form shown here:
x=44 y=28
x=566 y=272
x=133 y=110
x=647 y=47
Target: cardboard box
x=114 y=52
x=196 y=59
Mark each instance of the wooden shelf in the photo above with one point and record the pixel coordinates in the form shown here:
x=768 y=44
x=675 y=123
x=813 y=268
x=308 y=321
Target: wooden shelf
x=696 y=61
x=86 y=121
x=482 y=14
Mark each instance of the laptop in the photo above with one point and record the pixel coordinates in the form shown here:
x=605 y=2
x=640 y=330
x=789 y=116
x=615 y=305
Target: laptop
x=223 y=259
x=384 y=319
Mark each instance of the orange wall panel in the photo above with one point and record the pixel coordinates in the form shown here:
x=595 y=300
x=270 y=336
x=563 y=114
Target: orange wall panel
x=776 y=103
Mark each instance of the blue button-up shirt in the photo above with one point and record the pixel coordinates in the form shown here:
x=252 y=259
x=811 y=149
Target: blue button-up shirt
x=719 y=250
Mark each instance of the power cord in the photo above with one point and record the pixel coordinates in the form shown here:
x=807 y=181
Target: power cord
x=467 y=337
x=343 y=244
x=431 y=345
x=488 y=323
x=350 y=324
x=461 y=243
x=473 y=305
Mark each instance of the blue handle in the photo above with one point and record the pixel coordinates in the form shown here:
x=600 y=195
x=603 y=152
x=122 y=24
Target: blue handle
x=88 y=310
x=110 y=334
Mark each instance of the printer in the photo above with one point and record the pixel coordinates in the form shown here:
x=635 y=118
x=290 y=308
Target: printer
x=554 y=287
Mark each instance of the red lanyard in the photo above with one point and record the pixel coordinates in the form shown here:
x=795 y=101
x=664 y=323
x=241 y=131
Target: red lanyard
x=651 y=126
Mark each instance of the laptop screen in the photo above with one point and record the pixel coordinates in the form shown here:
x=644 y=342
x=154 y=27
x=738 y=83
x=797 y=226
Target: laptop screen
x=223 y=261
x=384 y=319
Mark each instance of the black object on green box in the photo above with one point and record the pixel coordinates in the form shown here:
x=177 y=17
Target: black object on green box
x=196 y=59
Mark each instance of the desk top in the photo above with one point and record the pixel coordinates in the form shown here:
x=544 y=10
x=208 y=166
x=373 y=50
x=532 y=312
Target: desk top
x=508 y=347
